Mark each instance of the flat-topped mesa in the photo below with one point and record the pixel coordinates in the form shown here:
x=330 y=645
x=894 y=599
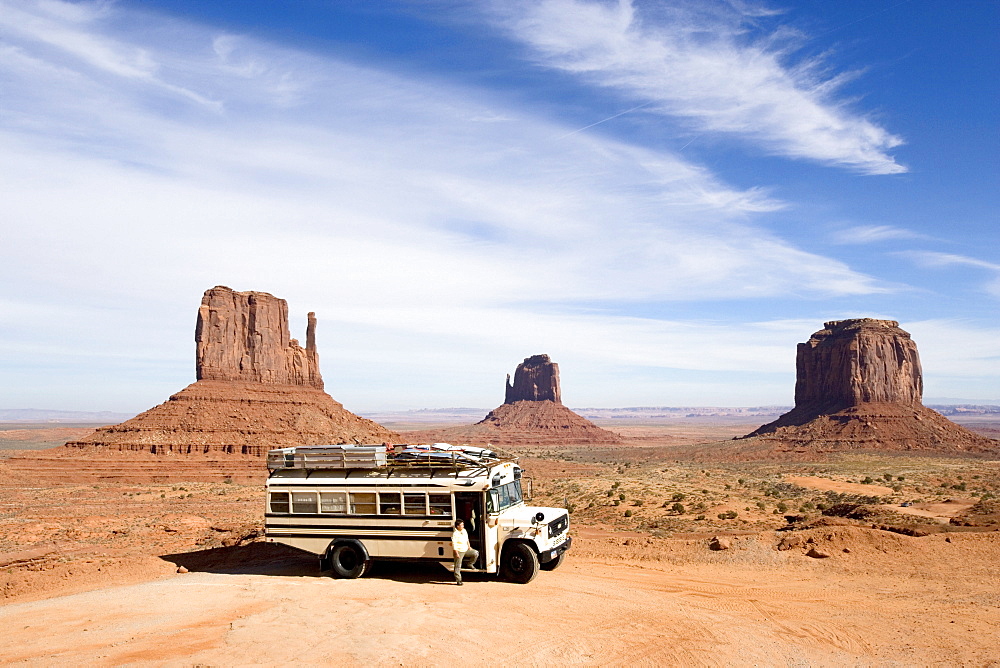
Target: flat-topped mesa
x=244 y=336
x=853 y=362
x=859 y=387
x=535 y=379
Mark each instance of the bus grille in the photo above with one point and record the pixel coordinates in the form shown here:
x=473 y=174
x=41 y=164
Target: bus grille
x=558 y=526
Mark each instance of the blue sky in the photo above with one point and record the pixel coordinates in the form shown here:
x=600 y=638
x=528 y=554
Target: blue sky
x=664 y=196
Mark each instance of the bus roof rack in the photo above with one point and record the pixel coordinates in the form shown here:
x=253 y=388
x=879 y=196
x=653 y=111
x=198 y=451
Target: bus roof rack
x=349 y=456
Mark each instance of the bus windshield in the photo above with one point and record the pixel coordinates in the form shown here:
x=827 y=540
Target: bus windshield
x=503 y=497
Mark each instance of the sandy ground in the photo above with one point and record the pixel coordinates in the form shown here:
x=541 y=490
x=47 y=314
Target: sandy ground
x=794 y=611
x=89 y=574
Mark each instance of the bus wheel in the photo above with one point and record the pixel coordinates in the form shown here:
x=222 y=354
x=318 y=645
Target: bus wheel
x=347 y=561
x=554 y=564
x=519 y=563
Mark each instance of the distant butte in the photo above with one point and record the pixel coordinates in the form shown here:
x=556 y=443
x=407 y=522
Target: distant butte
x=532 y=414
x=257 y=389
x=859 y=386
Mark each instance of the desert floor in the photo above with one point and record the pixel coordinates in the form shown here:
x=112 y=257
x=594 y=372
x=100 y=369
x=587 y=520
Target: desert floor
x=89 y=570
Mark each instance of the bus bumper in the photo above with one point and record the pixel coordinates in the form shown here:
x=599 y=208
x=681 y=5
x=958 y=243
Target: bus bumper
x=548 y=555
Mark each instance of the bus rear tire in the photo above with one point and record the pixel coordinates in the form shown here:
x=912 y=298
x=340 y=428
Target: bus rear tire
x=347 y=561
x=554 y=563
x=519 y=563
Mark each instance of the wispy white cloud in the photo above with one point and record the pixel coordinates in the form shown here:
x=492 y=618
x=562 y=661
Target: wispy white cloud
x=696 y=61
x=868 y=234
x=935 y=259
x=387 y=204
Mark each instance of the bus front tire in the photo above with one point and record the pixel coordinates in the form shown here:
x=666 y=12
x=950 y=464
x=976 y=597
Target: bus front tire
x=347 y=561
x=519 y=564
x=554 y=563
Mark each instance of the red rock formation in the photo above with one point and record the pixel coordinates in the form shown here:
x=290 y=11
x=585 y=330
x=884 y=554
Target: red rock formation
x=243 y=336
x=852 y=362
x=532 y=414
x=859 y=386
x=212 y=416
x=257 y=389
x=535 y=379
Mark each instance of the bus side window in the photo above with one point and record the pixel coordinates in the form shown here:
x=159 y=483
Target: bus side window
x=363 y=503
x=414 y=503
x=333 y=502
x=440 y=504
x=279 y=502
x=304 y=502
x=389 y=503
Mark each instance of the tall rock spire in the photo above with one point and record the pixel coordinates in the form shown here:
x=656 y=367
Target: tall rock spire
x=243 y=336
x=535 y=379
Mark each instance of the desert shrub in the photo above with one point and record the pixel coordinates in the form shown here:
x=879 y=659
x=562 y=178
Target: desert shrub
x=728 y=515
x=901 y=478
x=960 y=486
x=868 y=480
x=617 y=502
x=628 y=513
x=678 y=508
x=854 y=511
x=609 y=493
x=782 y=507
x=639 y=502
x=678 y=496
x=700 y=518
x=761 y=505
x=887 y=476
x=622 y=496
x=741 y=481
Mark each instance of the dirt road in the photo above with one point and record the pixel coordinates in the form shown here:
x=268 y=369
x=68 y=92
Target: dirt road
x=589 y=612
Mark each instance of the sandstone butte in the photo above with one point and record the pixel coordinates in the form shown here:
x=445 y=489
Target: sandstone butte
x=859 y=386
x=532 y=414
x=256 y=389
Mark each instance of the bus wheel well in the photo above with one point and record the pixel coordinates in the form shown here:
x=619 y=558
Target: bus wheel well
x=347 y=558
x=519 y=561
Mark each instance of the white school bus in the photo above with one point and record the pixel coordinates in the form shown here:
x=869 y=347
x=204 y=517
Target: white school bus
x=352 y=505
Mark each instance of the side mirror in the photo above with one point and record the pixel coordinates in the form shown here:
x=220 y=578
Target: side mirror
x=539 y=517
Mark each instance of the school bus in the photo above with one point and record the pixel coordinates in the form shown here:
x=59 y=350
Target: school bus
x=353 y=505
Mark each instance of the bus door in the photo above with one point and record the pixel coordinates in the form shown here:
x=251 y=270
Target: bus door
x=469 y=507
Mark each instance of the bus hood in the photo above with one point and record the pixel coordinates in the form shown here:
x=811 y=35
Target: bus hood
x=524 y=516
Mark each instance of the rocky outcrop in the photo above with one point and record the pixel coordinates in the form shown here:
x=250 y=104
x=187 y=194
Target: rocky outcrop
x=535 y=379
x=859 y=387
x=532 y=414
x=257 y=389
x=851 y=362
x=213 y=416
x=243 y=336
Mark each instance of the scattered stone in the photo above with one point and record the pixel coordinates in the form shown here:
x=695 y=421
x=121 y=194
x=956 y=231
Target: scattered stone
x=181 y=569
x=718 y=543
x=817 y=554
